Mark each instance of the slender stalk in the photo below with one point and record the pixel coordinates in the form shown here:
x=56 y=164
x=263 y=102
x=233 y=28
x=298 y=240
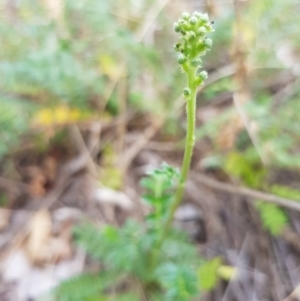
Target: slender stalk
x=192 y=45
x=188 y=152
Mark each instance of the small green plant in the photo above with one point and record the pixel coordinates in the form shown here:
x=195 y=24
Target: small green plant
x=126 y=271
x=151 y=261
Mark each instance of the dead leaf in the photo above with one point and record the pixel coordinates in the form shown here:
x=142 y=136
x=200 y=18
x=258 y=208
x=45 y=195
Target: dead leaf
x=33 y=283
x=108 y=196
x=50 y=168
x=42 y=246
x=40 y=228
x=36 y=181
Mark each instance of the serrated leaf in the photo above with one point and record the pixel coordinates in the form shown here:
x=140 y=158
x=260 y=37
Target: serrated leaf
x=180 y=282
x=81 y=287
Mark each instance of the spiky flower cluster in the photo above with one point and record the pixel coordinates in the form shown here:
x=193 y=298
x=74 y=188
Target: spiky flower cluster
x=194 y=42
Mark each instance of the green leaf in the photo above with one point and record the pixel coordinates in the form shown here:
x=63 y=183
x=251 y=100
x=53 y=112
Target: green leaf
x=160 y=184
x=208 y=274
x=180 y=282
x=273 y=217
x=249 y=171
x=285 y=192
x=81 y=287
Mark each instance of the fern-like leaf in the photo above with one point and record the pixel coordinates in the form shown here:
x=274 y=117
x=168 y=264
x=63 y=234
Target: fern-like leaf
x=82 y=287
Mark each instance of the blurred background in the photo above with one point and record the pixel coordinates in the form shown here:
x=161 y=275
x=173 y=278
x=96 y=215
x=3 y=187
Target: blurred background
x=90 y=100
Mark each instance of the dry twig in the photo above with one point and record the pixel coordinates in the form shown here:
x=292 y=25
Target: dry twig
x=244 y=191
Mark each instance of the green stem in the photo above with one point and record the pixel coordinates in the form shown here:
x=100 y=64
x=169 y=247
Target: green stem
x=188 y=151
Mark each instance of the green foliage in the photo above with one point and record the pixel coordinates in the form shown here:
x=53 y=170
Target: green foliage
x=122 y=250
x=89 y=287
x=246 y=165
x=179 y=282
x=280 y=139
x=74 y=57
x=285 y=192
x=274 y=218
x=277 y=24
x=110 y=174
x=160 y=185
x=246 y=169
x=13 y=115
x=276 y=29
x=125 y=254
x=82 y=287
x=208 y=274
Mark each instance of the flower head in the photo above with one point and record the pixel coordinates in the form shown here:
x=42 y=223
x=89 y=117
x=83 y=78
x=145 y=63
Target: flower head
x=193 y=42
